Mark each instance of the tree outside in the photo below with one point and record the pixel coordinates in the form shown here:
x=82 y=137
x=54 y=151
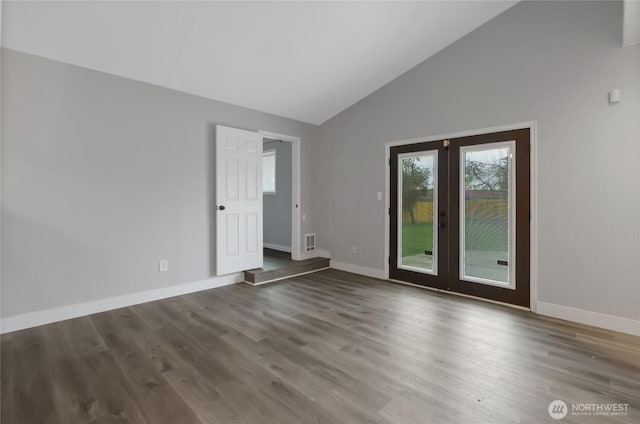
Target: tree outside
x=490 y=172
x=417 y=183
x=486 y=175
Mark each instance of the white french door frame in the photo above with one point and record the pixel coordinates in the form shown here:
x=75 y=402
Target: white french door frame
x=434 y=210
x=532 y=126
x=296 y=251
x=511 y=251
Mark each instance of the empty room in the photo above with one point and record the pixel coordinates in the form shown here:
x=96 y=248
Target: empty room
x=390 y=212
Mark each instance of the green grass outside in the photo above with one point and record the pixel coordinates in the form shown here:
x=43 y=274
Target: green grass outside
x=416 y=238
x=481 y=235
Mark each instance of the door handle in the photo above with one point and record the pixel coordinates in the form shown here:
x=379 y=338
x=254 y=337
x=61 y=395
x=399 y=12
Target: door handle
x=442 y=224
x=221 y=208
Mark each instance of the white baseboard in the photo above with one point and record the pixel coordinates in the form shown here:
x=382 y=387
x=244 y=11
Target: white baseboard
x=357 y=269
x=324 y=254
x=309 y=255
x=279 y=247
x=609 y=322
x=33 y=319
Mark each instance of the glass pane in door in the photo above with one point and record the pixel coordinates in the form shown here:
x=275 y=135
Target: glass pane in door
x=417 y=206
x=487 y=214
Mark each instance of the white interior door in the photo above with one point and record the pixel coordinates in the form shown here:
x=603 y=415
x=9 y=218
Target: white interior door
x=238 y=200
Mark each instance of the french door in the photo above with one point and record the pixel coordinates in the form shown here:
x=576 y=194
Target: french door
x=459 y=215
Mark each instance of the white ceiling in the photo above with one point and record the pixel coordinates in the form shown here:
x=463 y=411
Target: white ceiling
x=302 y=60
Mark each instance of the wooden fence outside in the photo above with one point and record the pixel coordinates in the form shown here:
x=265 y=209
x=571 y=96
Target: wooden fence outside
x=480 y=209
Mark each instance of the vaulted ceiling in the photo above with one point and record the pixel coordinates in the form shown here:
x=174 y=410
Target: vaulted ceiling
x=302 y=60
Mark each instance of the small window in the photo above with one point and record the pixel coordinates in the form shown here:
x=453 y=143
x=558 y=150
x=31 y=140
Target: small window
x=269 y=172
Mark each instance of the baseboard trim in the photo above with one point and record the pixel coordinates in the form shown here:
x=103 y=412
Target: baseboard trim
x=596 y=319
x=278 y=247
x=48 y=316
x=357 y=269
x=324 y=254
x=307 y=255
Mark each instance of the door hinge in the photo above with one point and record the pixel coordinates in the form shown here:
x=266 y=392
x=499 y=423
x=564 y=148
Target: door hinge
x=389 y=211
x=389 y=260
x=390 y=161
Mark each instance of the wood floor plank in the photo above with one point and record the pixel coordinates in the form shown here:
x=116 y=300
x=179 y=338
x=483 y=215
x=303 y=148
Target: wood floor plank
x=28 y=396
x=73 y=393
x=112 y=390
x=162 y=403
x=153 y=314
x=328 y=347
x=253 y=406
x=305 y=409
x=197 y=389
x=278 y=365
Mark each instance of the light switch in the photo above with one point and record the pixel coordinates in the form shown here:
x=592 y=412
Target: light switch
x=615 y=96
x=163 y=265
x=379 y=196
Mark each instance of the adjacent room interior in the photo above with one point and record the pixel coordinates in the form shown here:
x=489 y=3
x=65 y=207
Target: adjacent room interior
x=277 y=174
x=279 y=232
x=320 y=212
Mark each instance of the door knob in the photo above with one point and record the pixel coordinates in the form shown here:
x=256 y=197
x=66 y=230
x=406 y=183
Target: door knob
x=221 y=208
x=442 y=224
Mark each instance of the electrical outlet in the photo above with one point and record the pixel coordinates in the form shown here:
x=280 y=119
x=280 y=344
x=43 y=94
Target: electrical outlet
x=163 y=265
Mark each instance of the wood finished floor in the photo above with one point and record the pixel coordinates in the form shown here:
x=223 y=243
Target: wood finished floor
x=329 y=347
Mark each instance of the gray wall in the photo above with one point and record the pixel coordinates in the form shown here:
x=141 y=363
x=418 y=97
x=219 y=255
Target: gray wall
x=277 y=207
x=553 y=62
x=104 y=176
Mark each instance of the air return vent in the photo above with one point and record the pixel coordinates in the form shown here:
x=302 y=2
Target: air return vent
x=310 y=242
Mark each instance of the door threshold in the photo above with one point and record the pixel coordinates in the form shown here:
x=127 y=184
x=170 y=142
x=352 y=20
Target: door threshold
x=285 y=277
x=521 y=308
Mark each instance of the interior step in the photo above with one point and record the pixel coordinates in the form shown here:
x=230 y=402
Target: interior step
x=260 y=275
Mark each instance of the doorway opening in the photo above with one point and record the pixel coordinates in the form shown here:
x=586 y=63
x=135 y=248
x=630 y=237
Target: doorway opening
x=459 y=215
x=282 y=254
x=239 y=207
x=277 y=198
